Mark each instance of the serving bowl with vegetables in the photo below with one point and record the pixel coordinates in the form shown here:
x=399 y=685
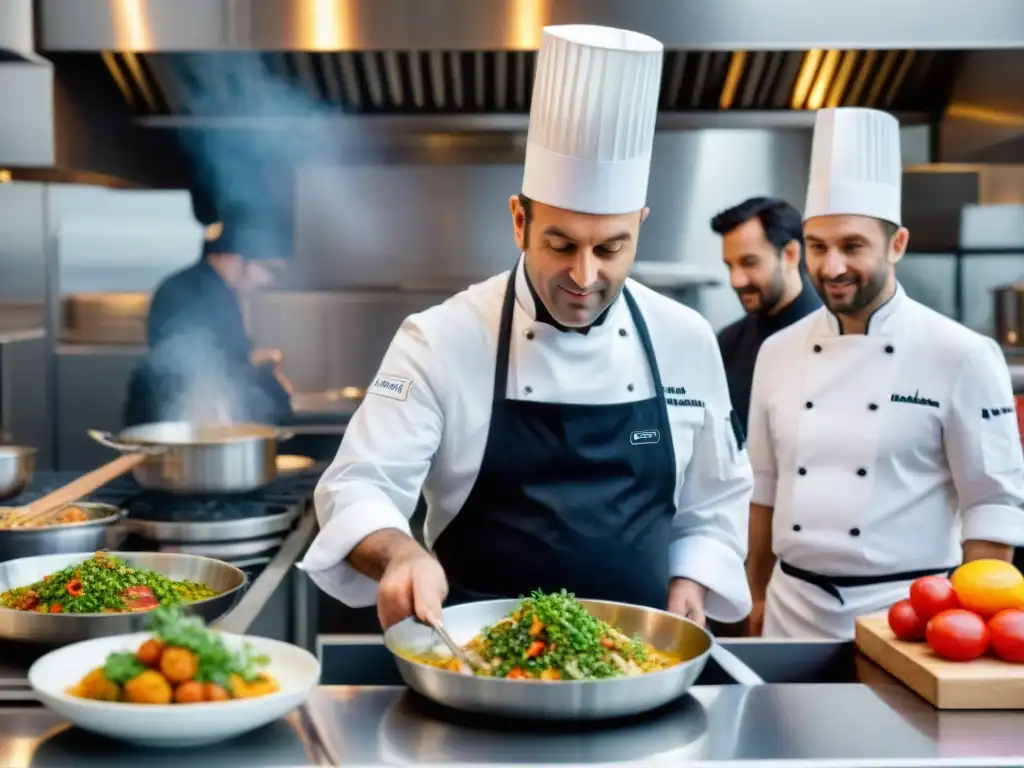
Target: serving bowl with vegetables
x=553 y=656
x=65 y=598
x=179 y=684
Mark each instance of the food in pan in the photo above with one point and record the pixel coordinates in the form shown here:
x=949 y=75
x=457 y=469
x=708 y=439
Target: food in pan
x=63 y=516
x=183 y=662
x=979 y=609
x=102 y=584
x=553 y=637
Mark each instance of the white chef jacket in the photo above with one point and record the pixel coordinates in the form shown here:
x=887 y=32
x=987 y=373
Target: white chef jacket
x=424 y=424
x=879 y=453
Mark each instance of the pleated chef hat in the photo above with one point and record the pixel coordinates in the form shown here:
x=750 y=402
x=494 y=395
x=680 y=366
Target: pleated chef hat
x=595 y=100
x=855 y=165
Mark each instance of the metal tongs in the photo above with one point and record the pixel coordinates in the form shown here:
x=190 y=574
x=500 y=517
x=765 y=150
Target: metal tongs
x=468 y=661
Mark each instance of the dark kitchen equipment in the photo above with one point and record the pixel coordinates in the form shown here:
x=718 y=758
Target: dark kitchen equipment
x=1009 y=315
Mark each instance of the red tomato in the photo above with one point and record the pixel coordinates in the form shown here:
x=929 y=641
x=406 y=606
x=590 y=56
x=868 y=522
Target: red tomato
x=957 y=635
x=904 y=621
x=1007 y=628
x=139 y=599
x=931 y=595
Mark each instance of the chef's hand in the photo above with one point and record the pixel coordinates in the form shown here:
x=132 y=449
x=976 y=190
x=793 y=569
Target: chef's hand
x=413 y=584
x=755 y=622
x=261 y=357
x=686 y=598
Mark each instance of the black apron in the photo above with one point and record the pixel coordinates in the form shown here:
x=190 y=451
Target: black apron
x=832 y=584
x=576 y=497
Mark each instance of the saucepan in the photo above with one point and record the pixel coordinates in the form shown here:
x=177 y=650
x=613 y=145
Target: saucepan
x=17 y=465
x=186 y=457
x=183 y=457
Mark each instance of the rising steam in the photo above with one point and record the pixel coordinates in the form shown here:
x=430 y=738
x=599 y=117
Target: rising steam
x=237 y=169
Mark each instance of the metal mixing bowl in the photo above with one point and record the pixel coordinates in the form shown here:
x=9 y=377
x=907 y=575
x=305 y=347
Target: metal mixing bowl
x=17 y=465
x=565 y=699
x=102 y=531
x=65 y=628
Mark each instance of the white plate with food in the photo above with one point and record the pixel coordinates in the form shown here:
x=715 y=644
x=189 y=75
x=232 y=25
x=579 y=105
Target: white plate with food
x=180 y=684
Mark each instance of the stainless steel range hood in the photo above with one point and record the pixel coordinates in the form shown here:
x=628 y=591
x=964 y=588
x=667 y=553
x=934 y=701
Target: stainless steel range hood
x=177 y=67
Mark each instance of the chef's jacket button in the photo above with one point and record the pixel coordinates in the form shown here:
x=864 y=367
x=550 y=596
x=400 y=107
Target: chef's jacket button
x=862 y=472
x=889 y=349
x=855 y=531
x=629 y=387
x=530 y=335
x=872 y=406
x=797 y=527
x=801 y=471
x=808 y=405
x=817 y=348
x=622 y=332
x=528 y=389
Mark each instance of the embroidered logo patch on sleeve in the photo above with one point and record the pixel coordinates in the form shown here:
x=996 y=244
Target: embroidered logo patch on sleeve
x=391 y=387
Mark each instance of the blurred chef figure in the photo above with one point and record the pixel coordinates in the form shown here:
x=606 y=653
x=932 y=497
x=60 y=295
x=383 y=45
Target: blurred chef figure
x=201 y=364
x=762 y=246
x=569 y=427
x=882 y=434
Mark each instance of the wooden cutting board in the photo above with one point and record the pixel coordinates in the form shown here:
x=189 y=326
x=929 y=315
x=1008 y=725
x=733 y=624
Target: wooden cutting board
x=985 y=683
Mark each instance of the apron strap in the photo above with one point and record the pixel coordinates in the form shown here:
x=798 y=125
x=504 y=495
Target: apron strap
x=832 y=584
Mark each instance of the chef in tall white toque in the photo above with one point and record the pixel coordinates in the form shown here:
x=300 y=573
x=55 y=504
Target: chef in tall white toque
x=569 y=428
x=882 y=434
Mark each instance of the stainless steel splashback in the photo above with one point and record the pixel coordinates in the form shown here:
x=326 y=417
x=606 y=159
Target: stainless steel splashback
x=384 y=224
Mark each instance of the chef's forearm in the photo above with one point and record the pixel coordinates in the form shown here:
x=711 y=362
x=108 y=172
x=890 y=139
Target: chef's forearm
x=760 y=558
x=372 y=555
x=987 y=550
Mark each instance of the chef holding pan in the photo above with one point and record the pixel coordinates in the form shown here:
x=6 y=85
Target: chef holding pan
x=569 y=427
x=201 y=364
x=882 y=434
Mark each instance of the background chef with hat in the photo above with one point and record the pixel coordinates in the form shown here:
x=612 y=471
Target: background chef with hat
x=882 y=434
x=569 y=427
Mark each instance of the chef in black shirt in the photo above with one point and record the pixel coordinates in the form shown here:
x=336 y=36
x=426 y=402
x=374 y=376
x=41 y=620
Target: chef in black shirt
x=201 y=364
x=762 y=245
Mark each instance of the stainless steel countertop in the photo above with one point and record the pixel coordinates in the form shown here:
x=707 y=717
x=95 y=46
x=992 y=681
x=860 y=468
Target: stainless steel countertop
x=805 y=725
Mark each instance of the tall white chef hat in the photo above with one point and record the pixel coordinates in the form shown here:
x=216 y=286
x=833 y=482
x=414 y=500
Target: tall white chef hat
x=595 y=100
x=855 y=165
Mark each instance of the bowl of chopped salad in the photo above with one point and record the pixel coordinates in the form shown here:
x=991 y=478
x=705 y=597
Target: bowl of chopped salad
x=66 y=598
x=179 y=684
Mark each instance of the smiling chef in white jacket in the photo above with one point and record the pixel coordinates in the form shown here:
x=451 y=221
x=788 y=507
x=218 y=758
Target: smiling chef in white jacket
x=569 y=427
x=882 y=434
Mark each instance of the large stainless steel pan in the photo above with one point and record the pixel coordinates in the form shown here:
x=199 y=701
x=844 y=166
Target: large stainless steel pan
x=226 y=579
x=200 y=458
x=563 y=700
x=102 y=531
x=17 y=465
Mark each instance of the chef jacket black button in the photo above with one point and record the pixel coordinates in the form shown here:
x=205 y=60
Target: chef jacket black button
x=529 y=335
x=629 y=387
x=796 y=527
x=862 y=472
x=528 y=389
x=817 y=347
x=801 y=471
x=855 y=531
x=622 y=331
x=889 y=349
x=872 y=406
x=808 y=405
